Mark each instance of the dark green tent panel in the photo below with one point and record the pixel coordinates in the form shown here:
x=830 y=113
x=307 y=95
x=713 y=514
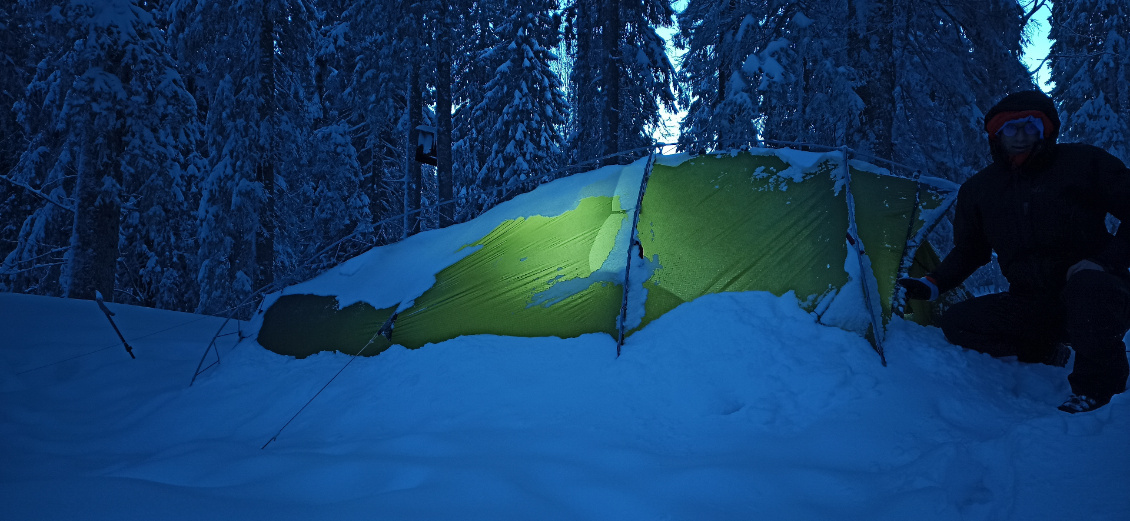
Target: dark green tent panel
x=299 y=325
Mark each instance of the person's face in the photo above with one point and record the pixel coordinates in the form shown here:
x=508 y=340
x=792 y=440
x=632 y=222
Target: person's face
x=1018 y=137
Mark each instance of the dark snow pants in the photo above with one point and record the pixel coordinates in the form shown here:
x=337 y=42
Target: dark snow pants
x=1092 y=314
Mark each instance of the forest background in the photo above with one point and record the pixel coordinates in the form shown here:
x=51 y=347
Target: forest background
x=191 y=154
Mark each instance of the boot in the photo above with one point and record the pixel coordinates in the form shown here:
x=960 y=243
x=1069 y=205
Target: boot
x=1080 y=403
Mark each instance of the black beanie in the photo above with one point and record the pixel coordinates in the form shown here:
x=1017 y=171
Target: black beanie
x=1027 y=100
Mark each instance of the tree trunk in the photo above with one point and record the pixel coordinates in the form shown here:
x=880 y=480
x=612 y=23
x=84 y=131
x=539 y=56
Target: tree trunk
x=871 y=48
x=610 y=84
x=443 y=119
x=265 y=167
x=94 y=236
x=413 y=190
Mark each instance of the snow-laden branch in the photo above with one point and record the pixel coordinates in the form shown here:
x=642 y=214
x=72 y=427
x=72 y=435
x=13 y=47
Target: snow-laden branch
x=38 y=194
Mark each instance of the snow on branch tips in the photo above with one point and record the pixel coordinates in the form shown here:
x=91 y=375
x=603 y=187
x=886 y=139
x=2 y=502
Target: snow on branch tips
x=766 y=63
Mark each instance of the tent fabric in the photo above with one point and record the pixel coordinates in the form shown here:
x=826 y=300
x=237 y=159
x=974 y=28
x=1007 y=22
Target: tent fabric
x=515 y=285
x=885 y=211
x=717 y=224
x=763 y=220
x=299 y=325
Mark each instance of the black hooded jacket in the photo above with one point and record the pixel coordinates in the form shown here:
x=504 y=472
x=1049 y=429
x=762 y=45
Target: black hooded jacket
x=1042 y=216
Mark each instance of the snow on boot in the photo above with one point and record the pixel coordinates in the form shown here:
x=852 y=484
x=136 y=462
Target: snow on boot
x=1080 y=403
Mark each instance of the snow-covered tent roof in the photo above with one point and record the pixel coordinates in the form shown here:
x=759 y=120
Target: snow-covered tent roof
x=556 y=261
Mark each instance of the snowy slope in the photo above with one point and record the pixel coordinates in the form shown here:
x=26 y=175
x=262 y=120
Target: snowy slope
x=735 y=406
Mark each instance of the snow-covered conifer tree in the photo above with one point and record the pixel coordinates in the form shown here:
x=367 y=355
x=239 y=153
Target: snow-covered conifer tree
x=105 y=115
x=954 y=64
x=621 y=77
x=523 y=104
x=251 y=64
x=336 y=217
x=892 y=78
x=325 y=216
x=17 y=34
x=386 y=37
x=811 y=98
x=17 y=62
x=648 y=78
x=157 y=247
x=475 y=68
x=725 y=43
x=1091 y=69
x=871 y=52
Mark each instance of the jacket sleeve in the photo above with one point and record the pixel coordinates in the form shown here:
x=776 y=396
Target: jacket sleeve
x=1113 y=179
x=971 y=248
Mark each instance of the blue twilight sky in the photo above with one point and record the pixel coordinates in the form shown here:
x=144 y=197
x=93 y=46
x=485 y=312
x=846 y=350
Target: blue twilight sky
x=1037 y=49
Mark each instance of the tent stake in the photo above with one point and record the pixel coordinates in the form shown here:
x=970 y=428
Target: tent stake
x=109 y=316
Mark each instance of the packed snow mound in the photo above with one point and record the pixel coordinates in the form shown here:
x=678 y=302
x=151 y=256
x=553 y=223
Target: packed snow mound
x=734 y=406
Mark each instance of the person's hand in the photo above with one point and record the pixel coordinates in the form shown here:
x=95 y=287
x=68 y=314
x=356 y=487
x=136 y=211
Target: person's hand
x=1083 y=265
x=919 y=289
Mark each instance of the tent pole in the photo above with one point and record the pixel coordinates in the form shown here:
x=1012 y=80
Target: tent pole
x=633 y=242
x=857 y=245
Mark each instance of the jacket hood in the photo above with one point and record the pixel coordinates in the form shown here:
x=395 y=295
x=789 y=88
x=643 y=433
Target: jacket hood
x=1022 y=102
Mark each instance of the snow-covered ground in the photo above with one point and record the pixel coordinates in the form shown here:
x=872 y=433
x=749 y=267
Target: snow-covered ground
x=735 y=406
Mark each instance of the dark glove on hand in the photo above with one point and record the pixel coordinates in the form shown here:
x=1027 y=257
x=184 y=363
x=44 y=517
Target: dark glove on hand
x=920 y=289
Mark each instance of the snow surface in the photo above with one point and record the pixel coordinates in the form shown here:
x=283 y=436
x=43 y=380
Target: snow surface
x=735 y=406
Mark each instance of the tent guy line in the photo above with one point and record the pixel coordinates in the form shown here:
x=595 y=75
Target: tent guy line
x=327 y=384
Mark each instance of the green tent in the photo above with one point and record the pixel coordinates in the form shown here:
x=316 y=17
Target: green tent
x=609 y=251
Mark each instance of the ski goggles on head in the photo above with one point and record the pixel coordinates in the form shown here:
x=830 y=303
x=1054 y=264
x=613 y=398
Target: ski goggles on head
x=1030 y=125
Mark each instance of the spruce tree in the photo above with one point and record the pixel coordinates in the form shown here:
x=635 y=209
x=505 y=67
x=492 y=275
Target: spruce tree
x=107 y=121
x=621 y=77
x=523 y=105
x=250 y=62
x=722 y=67
x=475 y=67
x=890 y=78
x=157 y=247
x=18 y=32
x=1090 y=63
x=812 y=97
x=388 y=41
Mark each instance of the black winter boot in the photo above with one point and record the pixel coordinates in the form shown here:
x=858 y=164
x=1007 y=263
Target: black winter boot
x=1079 y=403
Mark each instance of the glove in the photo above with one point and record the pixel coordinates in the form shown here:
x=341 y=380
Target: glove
x=919 y=289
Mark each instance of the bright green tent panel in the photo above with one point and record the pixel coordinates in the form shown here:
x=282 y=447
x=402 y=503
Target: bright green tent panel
x=885 y=213
x=715 y=224
x=301 y=325
x=536 y=276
